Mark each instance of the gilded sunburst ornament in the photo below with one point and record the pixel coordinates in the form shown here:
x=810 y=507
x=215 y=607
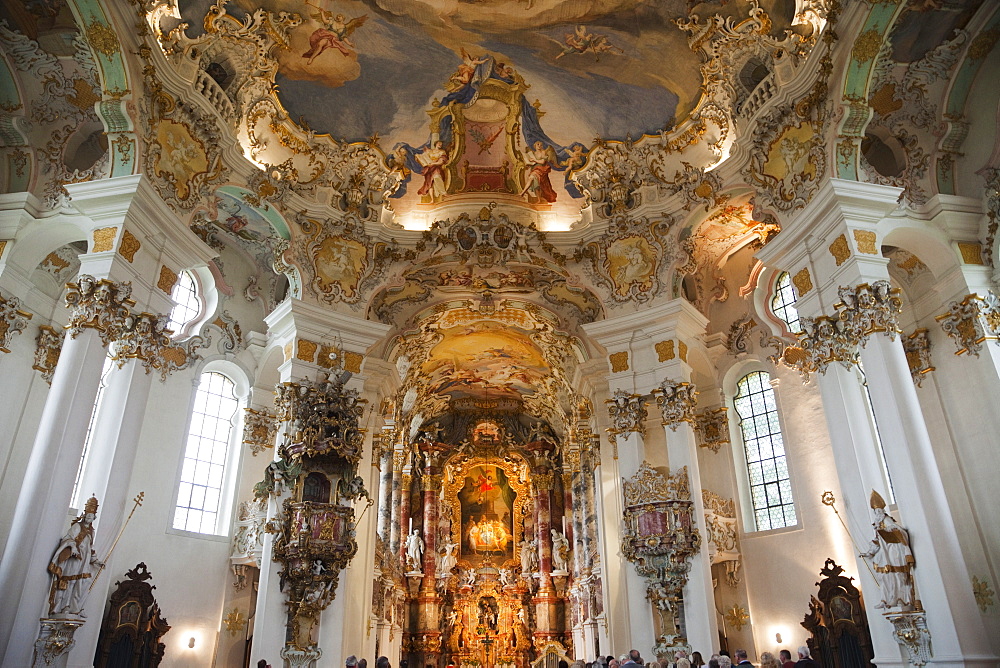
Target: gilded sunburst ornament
x=983 y=593
x=738 y=617
x=235 y=621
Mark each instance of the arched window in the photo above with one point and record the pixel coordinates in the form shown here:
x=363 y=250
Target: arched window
x=200 y=493
x=876 y=435
x=187 y=303
x=783 y=303
x=767 y=469
x=89 y=438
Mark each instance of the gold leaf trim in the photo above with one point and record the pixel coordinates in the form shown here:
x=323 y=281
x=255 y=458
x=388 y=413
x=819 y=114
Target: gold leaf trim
x=619 y=362
x=129 y=246
x=104 y=239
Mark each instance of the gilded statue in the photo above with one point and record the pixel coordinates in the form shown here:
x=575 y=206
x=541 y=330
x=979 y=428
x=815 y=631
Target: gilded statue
x=891 y=556
x=74 y=564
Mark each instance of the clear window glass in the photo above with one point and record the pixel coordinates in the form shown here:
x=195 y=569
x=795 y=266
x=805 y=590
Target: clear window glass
x=187 y=303
x=209 y=437
x=767 y=468
x=78 y=503
x=863 y=379
x=783 y=303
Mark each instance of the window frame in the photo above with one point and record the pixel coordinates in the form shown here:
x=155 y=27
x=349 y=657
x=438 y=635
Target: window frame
x=79 y=497
x=183 y=328
x=772 y=295
x=227 y=494
x=208 y=300
x=748 y=511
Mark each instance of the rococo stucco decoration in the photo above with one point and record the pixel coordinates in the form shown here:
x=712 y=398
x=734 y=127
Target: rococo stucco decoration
x=628 y=414
x=659 y=538
x=13 y=320
x=723 y=532
x=677 y=401
x=496 y=210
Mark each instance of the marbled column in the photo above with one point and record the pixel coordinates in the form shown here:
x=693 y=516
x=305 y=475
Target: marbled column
x=589 y=511
x=576 y=509
x=545 y=600
x=567 y=488
x=385 y=497
x=431 y=484
x=406 y=482
x=396 y=502
x=428 y=601
x=543 y=527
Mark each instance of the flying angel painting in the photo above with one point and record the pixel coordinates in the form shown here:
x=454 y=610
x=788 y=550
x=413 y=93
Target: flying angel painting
x=335 y=33
x=582 y=41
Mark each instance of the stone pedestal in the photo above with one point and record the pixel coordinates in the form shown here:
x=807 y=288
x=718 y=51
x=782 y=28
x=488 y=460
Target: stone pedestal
x=300 y=658
x=55 y=641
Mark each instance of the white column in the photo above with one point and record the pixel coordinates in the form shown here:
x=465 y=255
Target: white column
x=699 y=596
x=40 y=514
x=107 y=475
x=271 y=613
x=641 y=628
x=942 y=580
x=855 y=454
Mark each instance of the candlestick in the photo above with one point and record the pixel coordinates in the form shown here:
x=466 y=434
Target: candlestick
x=411 y=525
x=564 y=525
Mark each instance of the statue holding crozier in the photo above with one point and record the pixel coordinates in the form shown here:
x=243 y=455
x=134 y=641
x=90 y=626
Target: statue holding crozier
x=891 y=556
x=73 y=564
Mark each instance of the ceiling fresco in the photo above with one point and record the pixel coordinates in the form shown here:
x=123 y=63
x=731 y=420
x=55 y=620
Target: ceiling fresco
x=925 y=24
x=500 y=97
x=485 y=360
x=607 y=68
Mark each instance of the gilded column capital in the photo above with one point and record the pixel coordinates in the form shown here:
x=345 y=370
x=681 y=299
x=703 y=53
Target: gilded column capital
x=142 y=336
x=677 y=402
x=381 y=446
x=917 y=347
x=870 y=308
x=543 y=481
x=99 y=304
x=398 y=460
x=432 y=482
x=571 y=460
x=407 y=481
x=627 y=412
x=48 y=345
x=713 y=428
x=12 y=320
x=972 y=321
x=863 y=310
x=259 y=430
x=824 y=340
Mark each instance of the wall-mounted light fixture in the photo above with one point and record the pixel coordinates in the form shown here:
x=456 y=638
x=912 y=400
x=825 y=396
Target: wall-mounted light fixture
x=191 y=643
x=777 y=638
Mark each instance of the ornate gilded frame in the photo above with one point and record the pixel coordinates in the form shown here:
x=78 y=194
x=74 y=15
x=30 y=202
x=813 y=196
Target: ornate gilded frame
x=512 y=468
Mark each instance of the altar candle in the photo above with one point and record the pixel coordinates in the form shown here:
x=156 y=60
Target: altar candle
x=564 y=525
x=411 y=525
